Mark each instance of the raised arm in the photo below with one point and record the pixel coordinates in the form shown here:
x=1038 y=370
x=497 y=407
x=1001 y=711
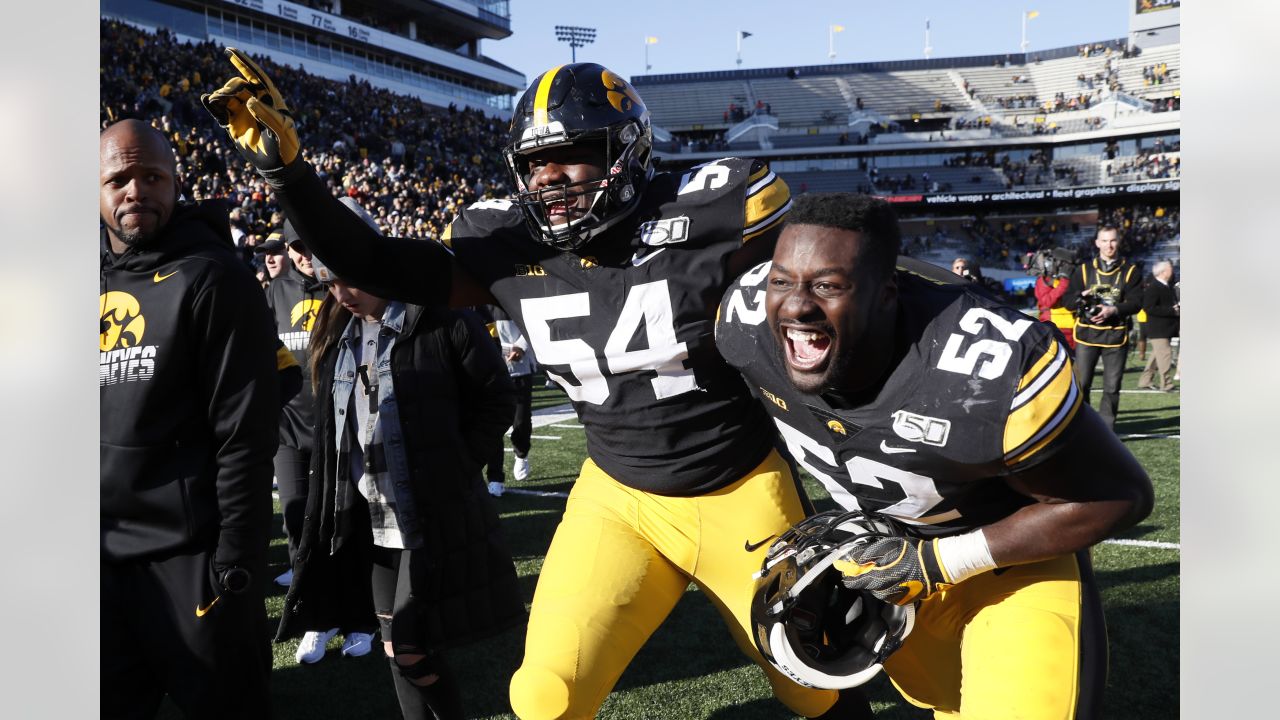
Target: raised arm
x=260 y=125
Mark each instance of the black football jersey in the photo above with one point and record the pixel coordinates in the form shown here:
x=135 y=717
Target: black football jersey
x=625 y=324
x=982 y=390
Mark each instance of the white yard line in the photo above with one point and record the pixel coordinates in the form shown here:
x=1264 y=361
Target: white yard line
x=1146 y=544
x=535 y=493
x=1142 y=436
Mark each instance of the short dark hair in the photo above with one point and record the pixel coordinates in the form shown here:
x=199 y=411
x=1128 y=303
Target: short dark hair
x=871 y=216
x=1108 y=225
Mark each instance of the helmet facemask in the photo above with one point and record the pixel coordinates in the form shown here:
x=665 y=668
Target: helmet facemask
x=806 y=623
x=625 y=151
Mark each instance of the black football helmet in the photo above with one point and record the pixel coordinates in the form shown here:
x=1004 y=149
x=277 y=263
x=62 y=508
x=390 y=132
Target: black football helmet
x=807 y=623
x=582 y=103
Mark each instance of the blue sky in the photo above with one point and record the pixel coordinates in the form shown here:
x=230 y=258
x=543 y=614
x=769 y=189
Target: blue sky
x=696 y=35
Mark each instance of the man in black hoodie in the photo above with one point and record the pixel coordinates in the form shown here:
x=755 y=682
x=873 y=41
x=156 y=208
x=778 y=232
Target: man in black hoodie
x=294 y=296
x=189 y=410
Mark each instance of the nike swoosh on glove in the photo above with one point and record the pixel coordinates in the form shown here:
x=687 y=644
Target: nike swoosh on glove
x=896 y=570
x=255 y=115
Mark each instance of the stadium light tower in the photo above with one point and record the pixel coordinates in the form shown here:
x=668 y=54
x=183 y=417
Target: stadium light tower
x=576 y=37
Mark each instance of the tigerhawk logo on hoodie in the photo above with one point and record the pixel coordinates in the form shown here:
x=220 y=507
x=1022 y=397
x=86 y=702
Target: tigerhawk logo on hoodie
x=122 y=356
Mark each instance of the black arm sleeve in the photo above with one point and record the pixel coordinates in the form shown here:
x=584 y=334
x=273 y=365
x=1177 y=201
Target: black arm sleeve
x=238 y=380
x=1131 y=292
x=1075 y=286
x=412 y=271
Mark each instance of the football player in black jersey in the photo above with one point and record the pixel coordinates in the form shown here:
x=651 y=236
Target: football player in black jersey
x=613 y=273
x=911 y=393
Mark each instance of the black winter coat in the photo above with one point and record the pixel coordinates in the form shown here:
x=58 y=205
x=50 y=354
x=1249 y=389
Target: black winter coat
x=455 y=400
x=1158 y=300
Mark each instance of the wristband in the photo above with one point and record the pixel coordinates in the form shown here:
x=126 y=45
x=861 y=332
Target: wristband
x=963 y=556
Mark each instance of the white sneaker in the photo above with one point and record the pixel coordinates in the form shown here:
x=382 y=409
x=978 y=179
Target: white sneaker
x=357 y=644
x=311 y=649
x=521 y=469
x=496 y=488
x=286 y=578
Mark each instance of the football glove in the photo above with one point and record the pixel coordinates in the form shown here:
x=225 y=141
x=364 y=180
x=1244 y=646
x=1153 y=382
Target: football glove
x=254 y=114
x=896 y=570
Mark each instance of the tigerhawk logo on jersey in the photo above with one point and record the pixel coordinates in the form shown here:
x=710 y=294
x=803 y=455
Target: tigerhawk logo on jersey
x=122 y=357
x=303 y=315
x=665 y=231
x=838 y=429
x=921 y=428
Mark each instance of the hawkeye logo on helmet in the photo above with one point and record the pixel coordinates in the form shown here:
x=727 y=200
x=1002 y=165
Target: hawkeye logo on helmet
x=620 y=93
x=665 y=231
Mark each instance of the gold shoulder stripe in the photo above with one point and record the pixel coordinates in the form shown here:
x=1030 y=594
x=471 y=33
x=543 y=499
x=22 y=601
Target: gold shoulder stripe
x=1049 y=355
x=446 y=238
x=1068 y=415
x=758 y=174
x=768 y=199
x=754 y=231
x=1041 y=411
x=284 y=358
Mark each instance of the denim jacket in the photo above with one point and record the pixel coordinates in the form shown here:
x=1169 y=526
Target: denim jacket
x=345 y=378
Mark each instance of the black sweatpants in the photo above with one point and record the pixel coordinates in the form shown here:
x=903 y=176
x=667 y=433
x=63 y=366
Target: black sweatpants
x=1113 y=361
x=292 y=466
x=215 y=664
x=521 y=429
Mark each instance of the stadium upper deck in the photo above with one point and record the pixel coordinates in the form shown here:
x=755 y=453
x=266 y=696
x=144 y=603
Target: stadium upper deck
x=1100 y=86
x=429 y=49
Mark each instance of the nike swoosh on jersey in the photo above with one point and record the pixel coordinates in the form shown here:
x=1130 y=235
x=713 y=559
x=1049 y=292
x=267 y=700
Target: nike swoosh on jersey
x=752 y=547
x=202 y=611
x=637 y=259
x=160 y=278
x=884 y=448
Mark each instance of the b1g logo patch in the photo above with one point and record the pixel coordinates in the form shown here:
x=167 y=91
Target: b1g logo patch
x=665 y=231
x=921 y=428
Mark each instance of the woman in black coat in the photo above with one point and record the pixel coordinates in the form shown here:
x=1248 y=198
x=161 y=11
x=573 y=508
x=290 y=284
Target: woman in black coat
x=409 y=402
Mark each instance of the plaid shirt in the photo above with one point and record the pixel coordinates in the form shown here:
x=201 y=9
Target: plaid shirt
x=362 y=436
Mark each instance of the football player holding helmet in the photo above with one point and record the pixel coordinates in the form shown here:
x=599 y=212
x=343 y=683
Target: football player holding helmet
x=915 y=395
x=807 y=623
x=612 y=271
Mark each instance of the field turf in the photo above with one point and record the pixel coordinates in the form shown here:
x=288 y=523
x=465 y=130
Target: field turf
x=691 y=669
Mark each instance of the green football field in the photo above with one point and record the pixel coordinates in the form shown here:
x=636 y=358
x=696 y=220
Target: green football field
x=691 y=668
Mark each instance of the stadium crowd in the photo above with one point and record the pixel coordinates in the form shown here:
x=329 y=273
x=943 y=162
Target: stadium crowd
x=410 y=164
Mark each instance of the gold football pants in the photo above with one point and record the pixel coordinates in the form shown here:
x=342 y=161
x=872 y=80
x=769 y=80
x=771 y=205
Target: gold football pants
x=620 y=561
x=1026 y=641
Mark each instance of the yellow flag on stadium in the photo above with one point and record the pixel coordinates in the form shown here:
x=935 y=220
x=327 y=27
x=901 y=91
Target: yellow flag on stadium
x=651 y=40
x=1032 y=14
x=837 y=28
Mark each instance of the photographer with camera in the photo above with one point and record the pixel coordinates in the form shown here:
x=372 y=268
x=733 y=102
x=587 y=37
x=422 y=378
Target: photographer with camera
x=1051 y=266
x=1104 y=292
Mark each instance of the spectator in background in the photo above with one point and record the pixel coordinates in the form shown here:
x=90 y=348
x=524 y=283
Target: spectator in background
x=961 y=267
x=515 y=351
x=410 y=398
x=1161 y=304
x=1105 y=292
x=189 y=398
x=273 y=255
x=294 y=297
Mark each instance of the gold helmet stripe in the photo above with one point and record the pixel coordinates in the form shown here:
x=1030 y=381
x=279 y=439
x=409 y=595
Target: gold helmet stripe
x=541 y=95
